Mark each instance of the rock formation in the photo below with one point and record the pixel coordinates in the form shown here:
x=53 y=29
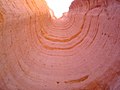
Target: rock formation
x=79 y=51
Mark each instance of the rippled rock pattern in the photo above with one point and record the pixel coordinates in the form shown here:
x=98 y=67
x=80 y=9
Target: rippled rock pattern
x=80 y=51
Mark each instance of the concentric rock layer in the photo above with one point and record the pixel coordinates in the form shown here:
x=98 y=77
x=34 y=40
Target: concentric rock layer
x=79 y=51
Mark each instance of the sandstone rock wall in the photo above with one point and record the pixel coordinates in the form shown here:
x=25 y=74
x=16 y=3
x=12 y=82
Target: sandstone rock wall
x=80 y=51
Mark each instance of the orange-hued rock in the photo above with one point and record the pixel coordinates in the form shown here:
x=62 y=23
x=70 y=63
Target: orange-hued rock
x=79 y=51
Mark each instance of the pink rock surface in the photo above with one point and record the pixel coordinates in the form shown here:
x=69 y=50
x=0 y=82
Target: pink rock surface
x=80 y=51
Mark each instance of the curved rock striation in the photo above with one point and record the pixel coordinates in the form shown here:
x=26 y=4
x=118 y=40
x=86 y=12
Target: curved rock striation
x=79 y=51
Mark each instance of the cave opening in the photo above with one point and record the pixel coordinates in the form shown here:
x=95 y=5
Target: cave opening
x=58 y=7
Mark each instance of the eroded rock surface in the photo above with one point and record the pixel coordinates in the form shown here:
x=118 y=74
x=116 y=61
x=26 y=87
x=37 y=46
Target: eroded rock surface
x=80 y=51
